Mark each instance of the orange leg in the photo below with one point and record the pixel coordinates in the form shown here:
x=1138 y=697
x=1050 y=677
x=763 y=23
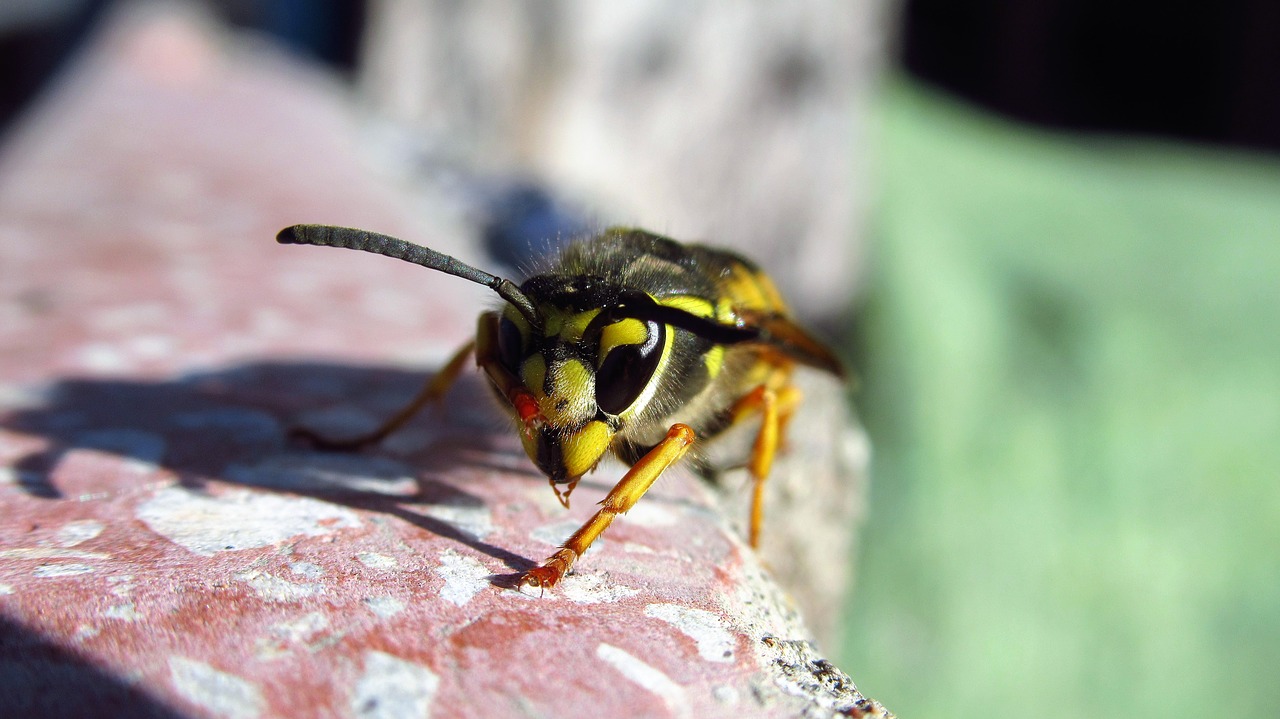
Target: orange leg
x=621 y=498
x=776 y=409
x=432 y=391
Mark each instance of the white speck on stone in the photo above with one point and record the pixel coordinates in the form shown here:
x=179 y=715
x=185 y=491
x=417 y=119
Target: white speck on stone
x=121 y=584
x=73 y=533
x=86 y=631
x=49 y=553
x=476 y=522
x=726 y=694
x=151 y=346
x=392 y=688
x=655 y=681
x=5 y=589
x=302 y=629
x=221 y=694
x=715 y=642
x=314 y=473
x=634 y=548
x=239 y=519
x=61 y=570
x=306 y=569
x=593 y=588
x=275 y=589
x=651 y=514
x=123 y=612
x=374 y=560
x=385 y=607
x=101 y=358
x=464 y=577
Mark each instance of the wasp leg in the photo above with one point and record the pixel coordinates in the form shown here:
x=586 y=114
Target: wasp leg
x=775 y=408
x=621 y=498
x=432 y=391
x=564 y=496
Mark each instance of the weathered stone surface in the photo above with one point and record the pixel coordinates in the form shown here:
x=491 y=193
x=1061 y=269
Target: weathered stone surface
x=165 y=551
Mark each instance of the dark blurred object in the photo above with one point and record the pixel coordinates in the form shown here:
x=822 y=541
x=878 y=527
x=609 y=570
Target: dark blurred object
x=1206 y=71
x=522 y=221
x=328 y=30
x=35 y=37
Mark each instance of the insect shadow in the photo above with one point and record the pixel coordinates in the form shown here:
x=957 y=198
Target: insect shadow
x=38 y=678
x=232 y=425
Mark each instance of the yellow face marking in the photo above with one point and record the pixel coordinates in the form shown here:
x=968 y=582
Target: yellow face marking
x=534 y=374
x=572 y=399
x=581 y=450
x=552 y=320
x=622 y=332
x=568 y=325
x=573 y=327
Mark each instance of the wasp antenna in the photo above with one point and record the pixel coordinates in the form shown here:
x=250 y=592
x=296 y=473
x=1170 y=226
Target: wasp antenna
x=353 y=239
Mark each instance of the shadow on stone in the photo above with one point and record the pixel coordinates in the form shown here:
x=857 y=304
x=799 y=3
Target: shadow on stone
x=232 y=425
x=41 y=679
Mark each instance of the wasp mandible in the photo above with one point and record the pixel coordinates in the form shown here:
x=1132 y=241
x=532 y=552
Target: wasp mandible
x=630 y=343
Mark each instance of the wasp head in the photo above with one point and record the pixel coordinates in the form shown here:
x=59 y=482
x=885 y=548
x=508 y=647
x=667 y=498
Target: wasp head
x=587 y=372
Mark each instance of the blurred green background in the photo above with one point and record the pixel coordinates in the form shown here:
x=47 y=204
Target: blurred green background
x=1071 y=376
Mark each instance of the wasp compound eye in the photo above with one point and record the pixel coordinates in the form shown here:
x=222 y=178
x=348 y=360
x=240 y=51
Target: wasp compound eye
x=510 y=345
x=632 y=350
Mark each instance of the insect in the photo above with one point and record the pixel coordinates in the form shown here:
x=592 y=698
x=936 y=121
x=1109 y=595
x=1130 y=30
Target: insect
x=630 y=343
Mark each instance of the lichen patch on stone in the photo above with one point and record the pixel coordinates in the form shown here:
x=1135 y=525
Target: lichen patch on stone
x=464 y=577
x=77 y=532
x=385 y=607
x=645 y=675
x=594 y=588
x=392 y=688
x=274 y=589
x=238 y=519
x=219 y=693
x=374 y=560
x=122 y=612
x=61 y=570
x=715 y=643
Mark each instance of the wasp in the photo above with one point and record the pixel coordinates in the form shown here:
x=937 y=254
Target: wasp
x=630 y=343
